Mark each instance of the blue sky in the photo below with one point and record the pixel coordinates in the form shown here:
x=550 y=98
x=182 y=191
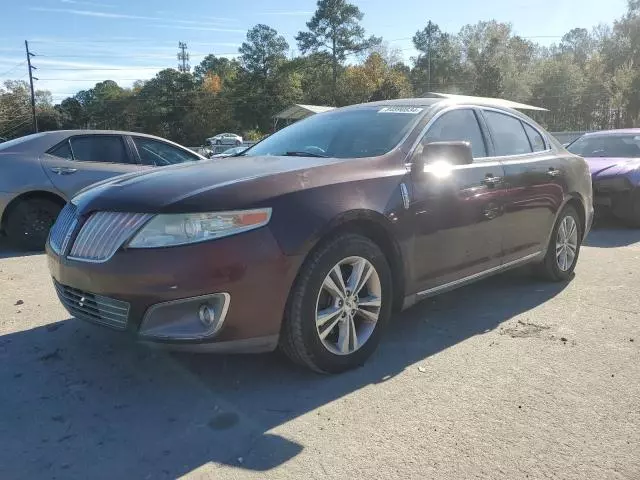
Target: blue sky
x=80 y=42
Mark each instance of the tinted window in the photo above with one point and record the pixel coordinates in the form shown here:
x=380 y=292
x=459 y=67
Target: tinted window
x=621 y=146
x=153 y=152
x=458 y=125
x=351 y=133
x=537 y=142
x=63 y=151
x=508 y=134
x=99 y=148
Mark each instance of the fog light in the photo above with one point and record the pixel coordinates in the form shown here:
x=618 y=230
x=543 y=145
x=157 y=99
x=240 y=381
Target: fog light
x=207 y=315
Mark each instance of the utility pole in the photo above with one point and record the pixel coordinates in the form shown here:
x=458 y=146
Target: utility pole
x=31 y=78
x=183 y=58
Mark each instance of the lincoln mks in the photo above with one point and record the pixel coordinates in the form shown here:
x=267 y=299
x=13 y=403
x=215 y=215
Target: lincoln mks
x=310 y=239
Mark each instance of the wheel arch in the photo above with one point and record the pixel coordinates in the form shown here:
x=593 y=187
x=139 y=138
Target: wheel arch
x=28 y=196
x=375 y=227
x=576 y=201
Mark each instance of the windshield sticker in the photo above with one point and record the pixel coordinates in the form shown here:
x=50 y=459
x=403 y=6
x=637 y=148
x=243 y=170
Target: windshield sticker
x=409 y=110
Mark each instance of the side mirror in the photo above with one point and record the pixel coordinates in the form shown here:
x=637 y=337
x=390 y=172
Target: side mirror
x=452 y=153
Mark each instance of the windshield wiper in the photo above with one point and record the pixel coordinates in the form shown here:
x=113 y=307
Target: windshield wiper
x=304 y=154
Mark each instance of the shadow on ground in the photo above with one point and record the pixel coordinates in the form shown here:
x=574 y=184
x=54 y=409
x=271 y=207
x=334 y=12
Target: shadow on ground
x=82 y=402
x=608 y=232
x=8 y=251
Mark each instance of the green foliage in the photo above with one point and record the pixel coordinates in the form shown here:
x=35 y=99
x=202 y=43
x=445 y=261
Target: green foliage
x=589 y=80
x=335 y=29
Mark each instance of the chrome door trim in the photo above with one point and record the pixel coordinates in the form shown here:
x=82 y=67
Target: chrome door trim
x=476 y=276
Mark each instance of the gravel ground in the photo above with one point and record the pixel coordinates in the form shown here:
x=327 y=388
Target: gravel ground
x=506 y=379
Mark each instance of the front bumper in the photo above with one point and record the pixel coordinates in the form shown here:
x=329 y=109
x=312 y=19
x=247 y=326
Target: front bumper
x=617 y=194
x=244 y=278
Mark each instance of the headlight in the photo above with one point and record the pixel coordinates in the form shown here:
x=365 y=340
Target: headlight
x=167 y=230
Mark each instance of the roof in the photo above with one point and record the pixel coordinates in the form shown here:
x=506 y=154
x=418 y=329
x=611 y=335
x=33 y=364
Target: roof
x=432 y=98
x=298 y=111
x=628 y=131
x=487 y=101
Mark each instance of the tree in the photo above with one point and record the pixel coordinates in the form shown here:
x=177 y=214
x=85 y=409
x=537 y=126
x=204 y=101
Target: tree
x=335 y=29
x=264 y=51
x=224 y=68
x=438 y=67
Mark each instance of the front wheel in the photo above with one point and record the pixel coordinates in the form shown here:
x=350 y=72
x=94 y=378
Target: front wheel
x=564 y=247
x=338 y=306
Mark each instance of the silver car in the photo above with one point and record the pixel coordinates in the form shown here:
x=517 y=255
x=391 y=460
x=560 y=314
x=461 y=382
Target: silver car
x=225 y=139
x=39 y=173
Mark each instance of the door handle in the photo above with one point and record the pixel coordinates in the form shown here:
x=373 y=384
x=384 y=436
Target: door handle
x=63 y=170
x=553 y=172
x=491 y=181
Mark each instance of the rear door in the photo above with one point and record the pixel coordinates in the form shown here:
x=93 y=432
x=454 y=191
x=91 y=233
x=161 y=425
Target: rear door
x=534 y=181
x=458 y=212
x=82 y=160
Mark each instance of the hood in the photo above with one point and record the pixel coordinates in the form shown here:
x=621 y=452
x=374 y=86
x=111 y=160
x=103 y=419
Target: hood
x=611 y=166
x=234 y=181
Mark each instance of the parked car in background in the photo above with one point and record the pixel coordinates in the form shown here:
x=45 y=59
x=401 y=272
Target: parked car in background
x=310 y=238
x=40 y=172
x=230 y=152
x=225 y=139
x=614 y=161
x=202 y=151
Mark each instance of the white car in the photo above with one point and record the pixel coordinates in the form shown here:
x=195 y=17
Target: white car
x=225 y=139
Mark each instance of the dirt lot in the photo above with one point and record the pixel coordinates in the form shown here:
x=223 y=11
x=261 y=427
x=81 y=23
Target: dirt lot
x=509 y=378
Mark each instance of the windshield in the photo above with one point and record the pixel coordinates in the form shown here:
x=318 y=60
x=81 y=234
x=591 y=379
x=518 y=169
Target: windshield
x=351 y=133
x=621 y=146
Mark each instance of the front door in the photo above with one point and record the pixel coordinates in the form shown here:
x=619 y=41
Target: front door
x=458 y=210
x=86 y=159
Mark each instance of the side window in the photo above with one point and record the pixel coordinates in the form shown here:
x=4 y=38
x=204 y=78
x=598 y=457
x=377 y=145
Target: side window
x=508 y=134
x=155 y=153
x=458 y=125
x=99 y=148
x=537 y=142
x=63 y=151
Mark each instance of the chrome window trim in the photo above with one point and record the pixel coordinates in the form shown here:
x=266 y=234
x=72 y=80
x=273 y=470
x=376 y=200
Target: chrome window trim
x=547 y=144
x=430 y=123
x=461 y=106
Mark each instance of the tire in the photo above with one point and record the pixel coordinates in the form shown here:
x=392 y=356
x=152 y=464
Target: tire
x=238 y=143
x=28 y=222
x=553 y=268
x=300 y=338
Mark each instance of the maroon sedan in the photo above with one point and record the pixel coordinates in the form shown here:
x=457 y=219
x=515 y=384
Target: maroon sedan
x=311 y=238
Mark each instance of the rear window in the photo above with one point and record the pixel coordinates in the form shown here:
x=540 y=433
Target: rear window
x=63 y=151
x=508 y=134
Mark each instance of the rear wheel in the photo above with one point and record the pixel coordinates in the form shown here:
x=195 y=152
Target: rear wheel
x=28 y=222
x=338 y=306
x=564 y=247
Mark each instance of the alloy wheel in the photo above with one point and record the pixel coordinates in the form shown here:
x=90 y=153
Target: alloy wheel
x=566 y=243
x=348 y=305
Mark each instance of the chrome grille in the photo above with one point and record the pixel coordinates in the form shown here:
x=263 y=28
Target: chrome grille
x=93 y=308
x=62 y=230
x=104 y=233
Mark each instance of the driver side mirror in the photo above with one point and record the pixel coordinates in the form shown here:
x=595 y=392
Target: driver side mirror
x=451 y=153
